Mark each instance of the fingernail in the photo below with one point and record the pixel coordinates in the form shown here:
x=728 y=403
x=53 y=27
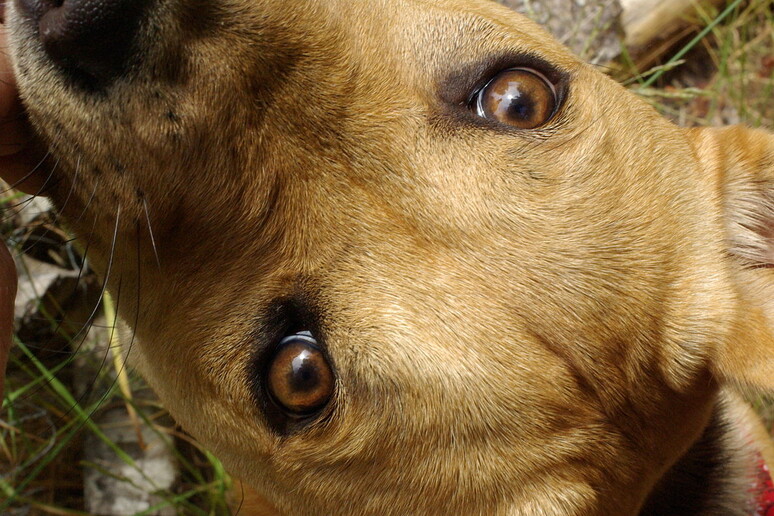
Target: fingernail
x=7 y=298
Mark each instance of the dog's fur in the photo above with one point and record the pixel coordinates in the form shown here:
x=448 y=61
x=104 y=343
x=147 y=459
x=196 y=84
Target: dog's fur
x=521 y=321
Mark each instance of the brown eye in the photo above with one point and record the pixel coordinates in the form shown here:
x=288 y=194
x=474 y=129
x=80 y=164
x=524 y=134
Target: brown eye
x=519 y=97
x=299 y=378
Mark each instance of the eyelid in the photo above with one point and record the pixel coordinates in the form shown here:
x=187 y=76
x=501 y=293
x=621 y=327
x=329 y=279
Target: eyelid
x=456 y=88
x=305 y=335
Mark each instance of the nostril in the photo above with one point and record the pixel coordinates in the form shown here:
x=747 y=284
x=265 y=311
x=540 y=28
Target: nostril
x=91 y=40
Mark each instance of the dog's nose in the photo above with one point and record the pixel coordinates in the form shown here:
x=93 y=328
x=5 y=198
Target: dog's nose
x=90 y=39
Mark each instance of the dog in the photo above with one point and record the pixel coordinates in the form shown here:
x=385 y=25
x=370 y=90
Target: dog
x=413 y=256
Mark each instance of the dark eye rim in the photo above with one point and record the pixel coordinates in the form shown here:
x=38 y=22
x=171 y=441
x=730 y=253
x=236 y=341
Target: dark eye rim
x=308 y=339
x=457 y=88
x=286 y=422
x=474 y=101
x=285 y=317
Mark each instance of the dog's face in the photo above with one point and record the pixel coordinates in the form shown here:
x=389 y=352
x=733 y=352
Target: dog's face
x=402 y=256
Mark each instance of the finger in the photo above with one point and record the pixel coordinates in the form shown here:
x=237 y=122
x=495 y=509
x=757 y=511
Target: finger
x=7 y=81
x=14 y=133
x=7 y=296
x=28 y=171
x=20 y=157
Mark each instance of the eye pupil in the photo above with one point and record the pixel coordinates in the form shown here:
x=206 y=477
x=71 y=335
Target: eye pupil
x=299 y=379
x=303 y=375
x=518 y=97
x=520 y=108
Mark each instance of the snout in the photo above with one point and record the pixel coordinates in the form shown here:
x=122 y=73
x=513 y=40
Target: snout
x=92 y=41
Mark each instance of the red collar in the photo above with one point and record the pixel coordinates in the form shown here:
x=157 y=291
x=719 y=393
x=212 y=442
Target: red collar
x=764 y=490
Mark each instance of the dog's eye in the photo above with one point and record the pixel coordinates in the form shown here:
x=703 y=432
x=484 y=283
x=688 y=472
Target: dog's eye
x=299 y=378
x=519 y=97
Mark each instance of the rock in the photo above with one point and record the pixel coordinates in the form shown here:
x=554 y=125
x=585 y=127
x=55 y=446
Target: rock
x=113 y=485
x=115 y=488
x=591 y=28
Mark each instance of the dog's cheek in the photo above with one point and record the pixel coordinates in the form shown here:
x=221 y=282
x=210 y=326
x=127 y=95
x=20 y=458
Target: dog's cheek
x=740 y=164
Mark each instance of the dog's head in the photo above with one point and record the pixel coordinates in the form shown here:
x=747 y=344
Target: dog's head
x=404 y=256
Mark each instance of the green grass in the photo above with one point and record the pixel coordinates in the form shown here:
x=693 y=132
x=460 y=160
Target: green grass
x=47 y=422
x=48 y=415
x=723 y=74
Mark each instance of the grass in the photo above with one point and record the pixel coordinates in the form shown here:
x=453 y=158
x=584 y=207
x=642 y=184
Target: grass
x=64 y=381
x=48 y=422
x=723 y=75
x=68 y=391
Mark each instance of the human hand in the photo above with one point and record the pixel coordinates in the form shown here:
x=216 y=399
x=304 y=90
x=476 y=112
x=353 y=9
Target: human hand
x=7 y=296
x=18 y=157
x=17 y=161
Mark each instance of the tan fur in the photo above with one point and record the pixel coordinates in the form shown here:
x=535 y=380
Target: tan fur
x=522 y=322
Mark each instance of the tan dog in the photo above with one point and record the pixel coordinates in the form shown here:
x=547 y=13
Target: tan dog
x=412 y=256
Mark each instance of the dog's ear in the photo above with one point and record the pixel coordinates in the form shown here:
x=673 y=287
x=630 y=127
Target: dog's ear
x=740 y=163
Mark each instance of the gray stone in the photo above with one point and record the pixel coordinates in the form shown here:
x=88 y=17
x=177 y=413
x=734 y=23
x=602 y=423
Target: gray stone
x=116 y=488
x=591 y=28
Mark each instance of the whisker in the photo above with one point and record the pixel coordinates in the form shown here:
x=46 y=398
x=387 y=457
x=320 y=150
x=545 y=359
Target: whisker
x=150 y=232
x=109 y=266
x=88 y=203
x=97 y=305
x=83 y=266
x=29 y=174
x=72 y=354
x=70 y=190
x=123 y=365
x=62 y=351
x=56 y=218
x=105 y=357
x=82 y=334
x=81 y=269
x=241 y=498
x=84 y=261
x=14 y=208
x=47 y=184
x=27 y=199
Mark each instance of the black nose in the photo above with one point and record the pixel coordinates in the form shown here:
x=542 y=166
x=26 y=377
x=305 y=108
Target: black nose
x=92 y=40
